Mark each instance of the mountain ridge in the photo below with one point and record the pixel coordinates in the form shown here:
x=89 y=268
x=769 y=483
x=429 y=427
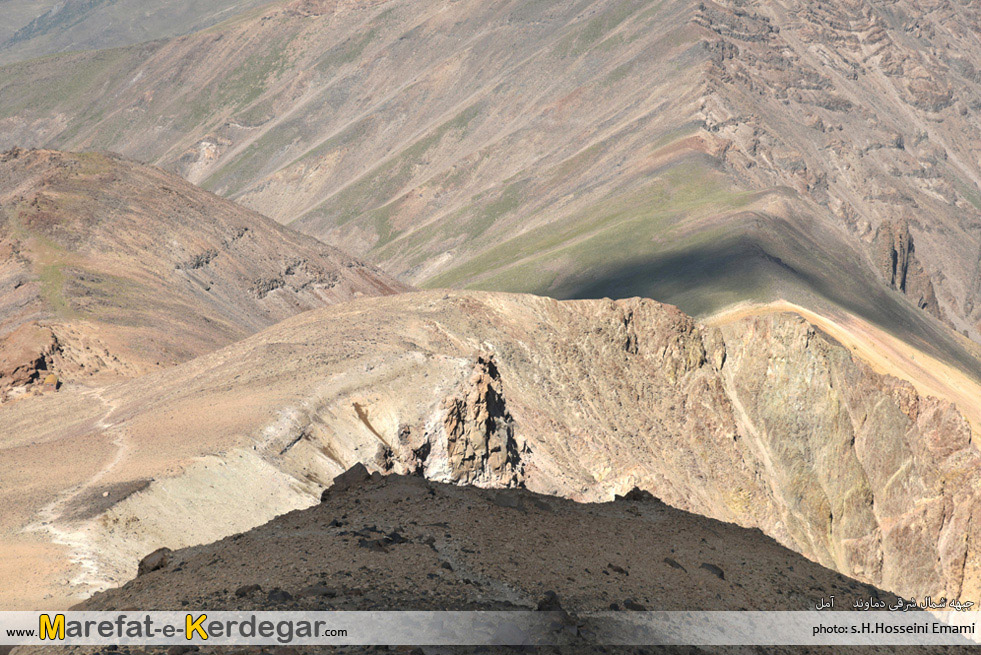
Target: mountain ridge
x=586 y=153
x=805 y=176
x=764 y=422
x=113 y=267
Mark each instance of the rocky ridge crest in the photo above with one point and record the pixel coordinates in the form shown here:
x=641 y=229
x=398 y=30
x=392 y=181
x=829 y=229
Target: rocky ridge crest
x=765 y=422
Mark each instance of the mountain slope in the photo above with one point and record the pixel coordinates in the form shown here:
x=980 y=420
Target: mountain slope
x=698 y=153
x=765 y=422
x=407 y=543
x=110 y=266
x=43 y=27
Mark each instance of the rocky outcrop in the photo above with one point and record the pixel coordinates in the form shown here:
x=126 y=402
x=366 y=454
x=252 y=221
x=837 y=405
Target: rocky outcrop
x=764 y=422
x=349 y=479
x=479 y=431
x=25 y=354
x=158 y=559
x=895 y=257
x=468 y=439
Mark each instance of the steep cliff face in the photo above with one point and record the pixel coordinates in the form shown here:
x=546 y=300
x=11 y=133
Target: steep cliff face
x=764 y=422
x=895 y=255
x=868 y=476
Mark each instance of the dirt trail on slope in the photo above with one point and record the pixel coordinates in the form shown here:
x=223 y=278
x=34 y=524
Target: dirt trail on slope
x=885 y=353
x=54 y=519
x=42 y=474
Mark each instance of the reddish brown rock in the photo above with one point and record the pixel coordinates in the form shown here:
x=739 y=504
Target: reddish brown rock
x=112 y=267
x=896 y=258
x=26 y=355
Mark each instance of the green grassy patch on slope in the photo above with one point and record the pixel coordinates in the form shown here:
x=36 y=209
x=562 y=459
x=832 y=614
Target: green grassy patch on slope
x=348 y=51
x=968 y=191
x=381 y=184
x=583 y=38
x=616 y=229
x=52 y=278
x=242 y=85
x=59 y=81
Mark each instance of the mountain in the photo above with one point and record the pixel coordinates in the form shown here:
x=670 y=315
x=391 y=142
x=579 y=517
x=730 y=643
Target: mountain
x=801 y=176
x=703 y=154
x=42 y=27
x=18 y=14
x=108 y=266
x=406 y=543
x=763 y=421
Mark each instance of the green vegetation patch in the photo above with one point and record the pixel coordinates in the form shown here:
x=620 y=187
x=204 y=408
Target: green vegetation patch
x=584 y=38
x=348 y=51
x=52 y=278
x=242 y=86
x=487 y=210
x=48 y=84
x=968 y=191
x=619 y=74
x=616 y=229
x=377 y=187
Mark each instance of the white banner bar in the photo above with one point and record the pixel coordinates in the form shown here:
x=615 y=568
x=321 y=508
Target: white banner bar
x=813 y=628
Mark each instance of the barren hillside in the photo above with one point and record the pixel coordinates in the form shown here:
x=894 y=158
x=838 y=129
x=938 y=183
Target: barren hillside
x=696 y=153
x=803 y=177
x=765 y=422
x=402 y=542
x=33 y=28
x=107 y=266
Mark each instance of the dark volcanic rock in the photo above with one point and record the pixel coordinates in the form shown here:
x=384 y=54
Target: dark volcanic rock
x=353 y=477
x=549 y=603
x=155 y=561
x=319 y=590
x=714 y=570
x=247 y=590
x=278 y=595
x=637 y=494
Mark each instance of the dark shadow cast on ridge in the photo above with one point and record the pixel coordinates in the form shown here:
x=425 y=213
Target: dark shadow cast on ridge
x=703 y=279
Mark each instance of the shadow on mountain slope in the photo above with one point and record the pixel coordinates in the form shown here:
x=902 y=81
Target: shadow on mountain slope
x=766 y=258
